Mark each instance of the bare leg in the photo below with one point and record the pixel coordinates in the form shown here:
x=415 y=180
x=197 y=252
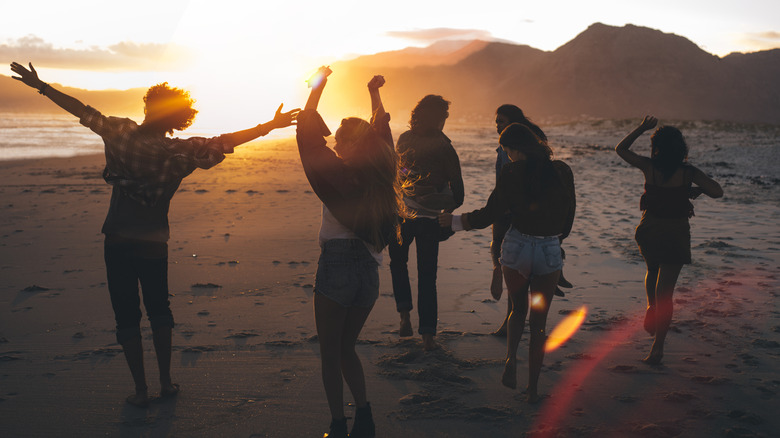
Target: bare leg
x=162 y=348
x=351 y=367
x=501 y=331
x=537 y=321
x=664 y=291
x=134 y=355
x=516 y=286
x=651 y=278
x=330 y=319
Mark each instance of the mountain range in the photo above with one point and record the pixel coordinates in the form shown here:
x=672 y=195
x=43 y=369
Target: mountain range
x=604 y=72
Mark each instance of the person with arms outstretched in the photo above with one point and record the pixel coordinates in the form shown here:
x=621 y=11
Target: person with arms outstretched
x=358 y=184
x=145 y=168
x=664 y=233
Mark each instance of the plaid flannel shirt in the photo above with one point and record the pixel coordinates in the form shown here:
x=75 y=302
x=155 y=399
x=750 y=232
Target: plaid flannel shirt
x=143 y=165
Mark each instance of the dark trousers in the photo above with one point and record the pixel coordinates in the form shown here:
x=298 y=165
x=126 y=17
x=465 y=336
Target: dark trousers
x=425 y=232
x=128 y=262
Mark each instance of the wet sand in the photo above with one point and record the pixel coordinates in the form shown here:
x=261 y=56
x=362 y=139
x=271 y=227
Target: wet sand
x=243 y=254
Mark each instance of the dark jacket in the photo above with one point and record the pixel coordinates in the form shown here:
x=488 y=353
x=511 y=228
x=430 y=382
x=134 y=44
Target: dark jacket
x=551 y=215
x=335 y=183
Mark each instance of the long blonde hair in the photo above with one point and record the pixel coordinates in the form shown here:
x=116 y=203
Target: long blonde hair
x=376 y=166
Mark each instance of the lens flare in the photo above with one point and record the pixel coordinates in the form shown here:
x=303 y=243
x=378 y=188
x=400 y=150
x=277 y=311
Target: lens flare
x=565 y=329
x=537 y=301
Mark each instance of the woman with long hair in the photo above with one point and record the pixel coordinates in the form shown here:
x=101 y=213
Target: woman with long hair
x=506 y=115
x=663 y=233
x=358 y=185
x=539 y=194
x=431 y=169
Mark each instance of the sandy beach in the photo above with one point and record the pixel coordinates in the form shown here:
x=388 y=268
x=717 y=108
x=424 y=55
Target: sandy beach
x=243 y=253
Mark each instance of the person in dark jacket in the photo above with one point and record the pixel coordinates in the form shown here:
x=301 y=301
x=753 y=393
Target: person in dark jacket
x=431 y=169
x=539 y=194
x=360 y=191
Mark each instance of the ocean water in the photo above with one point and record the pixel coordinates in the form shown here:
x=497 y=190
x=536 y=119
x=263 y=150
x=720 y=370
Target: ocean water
x=744 y=158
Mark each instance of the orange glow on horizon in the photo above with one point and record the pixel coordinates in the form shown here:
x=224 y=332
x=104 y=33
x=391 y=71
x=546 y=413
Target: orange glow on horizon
x=565 y=329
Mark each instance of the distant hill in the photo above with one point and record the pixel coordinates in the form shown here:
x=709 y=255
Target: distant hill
x=17 y=97
x=604 y=72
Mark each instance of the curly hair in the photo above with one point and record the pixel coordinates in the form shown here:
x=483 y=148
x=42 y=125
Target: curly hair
x=669 y=150
x=428 y=114
x=168 y=108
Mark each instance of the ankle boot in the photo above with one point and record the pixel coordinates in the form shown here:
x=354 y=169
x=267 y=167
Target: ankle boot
x=338 y=429
x=363 y=427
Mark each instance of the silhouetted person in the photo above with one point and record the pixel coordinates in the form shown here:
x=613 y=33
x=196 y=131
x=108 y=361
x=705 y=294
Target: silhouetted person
x=432 y=170
x=361 y=202
x=144 y=168
x=664 y=234
x=505 y=115
x=539 y=194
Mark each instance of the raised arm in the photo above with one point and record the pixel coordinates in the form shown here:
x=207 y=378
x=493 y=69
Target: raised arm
x=377 y=109
x=623 y=150
x=705 y=184
x=64 y=101
x=280 y=120
x=317 y=83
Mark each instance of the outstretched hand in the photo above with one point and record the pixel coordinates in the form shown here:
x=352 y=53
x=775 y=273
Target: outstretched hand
x=28 y=77
x=282 y=120
x=376 y=82
x=648 y=123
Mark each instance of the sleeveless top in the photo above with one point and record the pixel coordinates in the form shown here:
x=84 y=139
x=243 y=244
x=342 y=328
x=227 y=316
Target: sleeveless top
x=667 y=202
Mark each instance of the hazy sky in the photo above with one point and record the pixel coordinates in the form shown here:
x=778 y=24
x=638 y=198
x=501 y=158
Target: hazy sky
x=263 y=50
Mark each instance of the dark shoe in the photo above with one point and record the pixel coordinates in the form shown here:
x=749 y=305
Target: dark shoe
x=558 y=292
x=363 y=427
x=562 y=282
x=338 y=429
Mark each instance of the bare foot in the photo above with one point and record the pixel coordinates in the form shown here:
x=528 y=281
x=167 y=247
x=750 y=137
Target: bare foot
x=500 y=332
x=497 y=284
x=169 y=390
x=653 y=359
x=406 y=326
x=428 y=343
x=509 y=378
x=139 y=400
x=533 y=397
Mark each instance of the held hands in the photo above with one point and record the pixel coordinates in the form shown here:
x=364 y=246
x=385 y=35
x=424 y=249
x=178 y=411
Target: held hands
x=376 y=82
x=445 y=219
x=648 y=123
x=694 y=192
x=28 y=77
x=282 y=120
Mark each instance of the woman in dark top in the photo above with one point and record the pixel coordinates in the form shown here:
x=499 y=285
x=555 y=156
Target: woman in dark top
x=539 y=194
x=506 y=115
x=359 y=188
x=431 y=169
x=663 y=234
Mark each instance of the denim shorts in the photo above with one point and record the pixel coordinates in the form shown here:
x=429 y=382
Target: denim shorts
x=531 y=255
x=347 y=273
